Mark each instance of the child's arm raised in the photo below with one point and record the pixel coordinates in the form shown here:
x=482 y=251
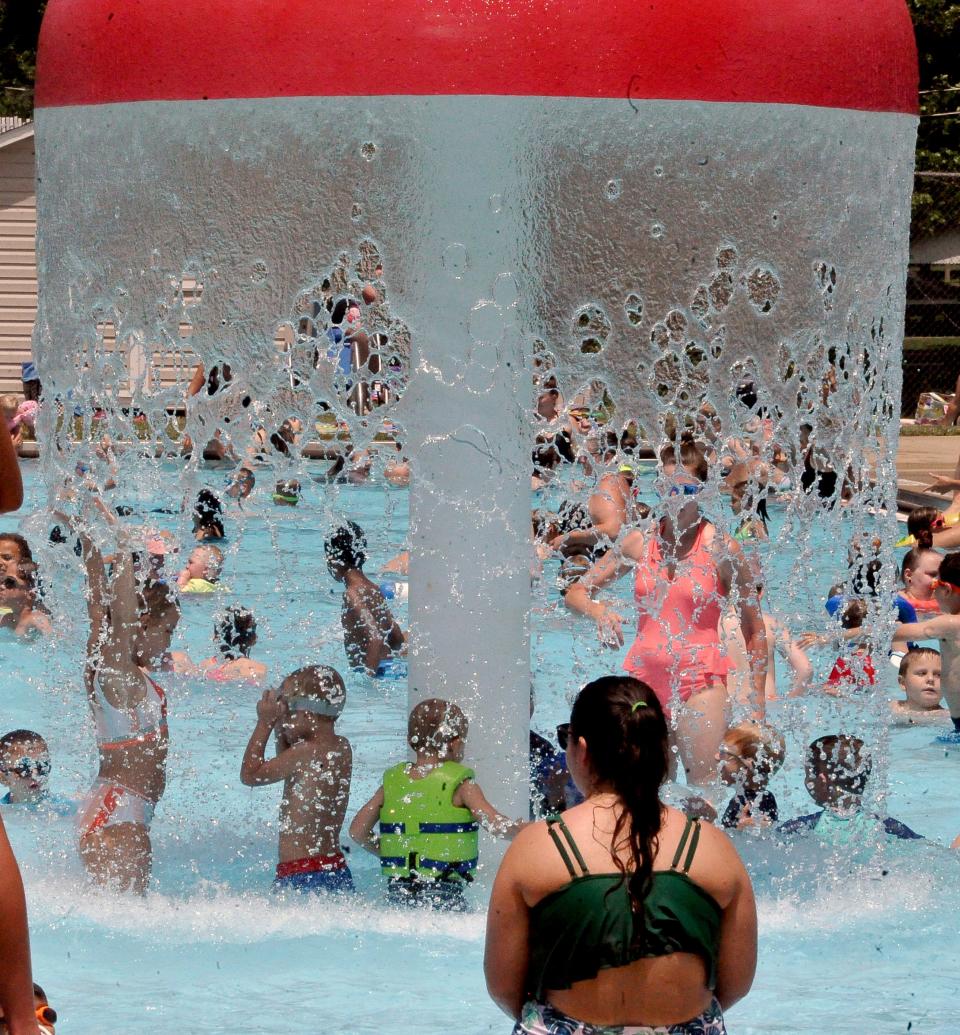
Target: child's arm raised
x=468 y=795
x=361 y=829
x=255 y=770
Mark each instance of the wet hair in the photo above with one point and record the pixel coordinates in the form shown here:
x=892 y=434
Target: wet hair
x=156 y=600
x=920 y=524
x=18 y=737
x=435 y=723
x=912 y=655
x=844 y=760
x=347 y=546
x=237 y=631
x=865 y=582
x=572 y=515
x=692 y=454
x=22 y=545
x=950 y=568
x=912 y=559
x=760 y=744
x=320 y=683
x=853 y=614
x=208 y=512
x=622 y=723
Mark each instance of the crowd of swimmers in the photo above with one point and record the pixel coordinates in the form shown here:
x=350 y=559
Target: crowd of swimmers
x=691 y=704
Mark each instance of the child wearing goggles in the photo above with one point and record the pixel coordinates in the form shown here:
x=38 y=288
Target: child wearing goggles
x=24 y=768
x=315 y=765
x=944 y=627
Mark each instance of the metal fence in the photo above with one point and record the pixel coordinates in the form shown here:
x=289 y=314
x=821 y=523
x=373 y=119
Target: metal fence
x=931 y=347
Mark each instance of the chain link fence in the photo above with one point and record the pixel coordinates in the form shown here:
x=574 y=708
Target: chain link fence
x=931 y=346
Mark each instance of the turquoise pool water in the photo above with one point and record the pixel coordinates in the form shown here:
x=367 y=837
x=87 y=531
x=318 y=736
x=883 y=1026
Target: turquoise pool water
x=849 y=944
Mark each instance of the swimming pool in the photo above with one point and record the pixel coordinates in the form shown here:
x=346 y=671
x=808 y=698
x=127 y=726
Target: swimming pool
x=846 y=942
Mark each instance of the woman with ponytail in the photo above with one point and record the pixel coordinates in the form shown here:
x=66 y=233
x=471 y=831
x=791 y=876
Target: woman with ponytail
x=621 y=915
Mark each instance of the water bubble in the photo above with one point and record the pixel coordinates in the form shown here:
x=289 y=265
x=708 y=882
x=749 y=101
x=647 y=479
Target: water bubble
x=368 y=150
x=727 y=257
x=633 y=306
x=763 y=289
x=455 y=260
x=591 y=327
x=700 y=303
x=657 y=231
x=676 y=324
x=505 y=290
x=486 y=323
x=720 y=290
x=614 y=189
x=496 y=203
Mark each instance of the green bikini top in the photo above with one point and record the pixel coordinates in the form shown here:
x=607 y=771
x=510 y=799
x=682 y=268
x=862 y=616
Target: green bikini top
x=588 y=925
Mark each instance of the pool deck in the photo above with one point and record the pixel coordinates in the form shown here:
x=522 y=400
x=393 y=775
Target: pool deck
x=918 y=457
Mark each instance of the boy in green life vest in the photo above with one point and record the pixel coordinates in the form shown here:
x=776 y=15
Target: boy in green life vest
x=429 y=811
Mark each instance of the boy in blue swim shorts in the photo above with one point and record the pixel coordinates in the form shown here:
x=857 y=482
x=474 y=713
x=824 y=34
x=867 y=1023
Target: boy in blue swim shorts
x=315 y=765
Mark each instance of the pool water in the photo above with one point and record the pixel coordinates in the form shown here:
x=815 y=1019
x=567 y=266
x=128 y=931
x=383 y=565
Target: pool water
x=850 y=942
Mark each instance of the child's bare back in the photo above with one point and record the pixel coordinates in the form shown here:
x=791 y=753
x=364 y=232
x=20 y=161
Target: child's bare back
x=315 y=764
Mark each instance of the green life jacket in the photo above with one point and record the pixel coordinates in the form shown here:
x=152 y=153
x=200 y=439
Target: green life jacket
x=421 y=830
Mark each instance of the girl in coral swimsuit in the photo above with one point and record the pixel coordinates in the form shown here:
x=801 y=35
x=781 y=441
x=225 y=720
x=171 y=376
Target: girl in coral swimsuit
x=684 y=571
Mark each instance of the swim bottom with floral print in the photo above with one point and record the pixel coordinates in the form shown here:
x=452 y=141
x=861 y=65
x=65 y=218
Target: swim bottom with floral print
x=543 y=1019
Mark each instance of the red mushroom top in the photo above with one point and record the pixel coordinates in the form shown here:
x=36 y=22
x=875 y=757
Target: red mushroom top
x=856 y=54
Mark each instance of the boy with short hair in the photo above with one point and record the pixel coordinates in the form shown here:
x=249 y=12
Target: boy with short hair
x=316 y=765
x=429 y=811
x=920 y=681
x=837 y=770
x=24 y=768
x=944 y=627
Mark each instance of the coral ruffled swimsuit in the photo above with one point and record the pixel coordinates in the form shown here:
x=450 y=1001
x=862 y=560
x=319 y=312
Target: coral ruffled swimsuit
x=677 y=649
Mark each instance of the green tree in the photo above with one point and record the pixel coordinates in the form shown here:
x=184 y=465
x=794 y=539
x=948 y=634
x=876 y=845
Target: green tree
x=19 y=29
x=936 y=200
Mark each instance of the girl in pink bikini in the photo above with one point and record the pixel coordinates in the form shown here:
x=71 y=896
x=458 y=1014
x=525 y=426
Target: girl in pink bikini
x=684 y=571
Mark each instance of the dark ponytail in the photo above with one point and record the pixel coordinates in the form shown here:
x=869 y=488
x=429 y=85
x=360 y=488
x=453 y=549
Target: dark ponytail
x=622 y=722
x=920 y=524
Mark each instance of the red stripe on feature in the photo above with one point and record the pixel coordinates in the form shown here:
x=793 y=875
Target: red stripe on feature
x=848 y=54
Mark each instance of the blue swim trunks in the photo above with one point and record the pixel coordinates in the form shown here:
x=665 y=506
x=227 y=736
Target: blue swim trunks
x=392 y=668
x=316 y=873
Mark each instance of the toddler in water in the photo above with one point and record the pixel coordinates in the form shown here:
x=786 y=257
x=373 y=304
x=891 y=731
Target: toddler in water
x=429 y=811
x=316 y=765
x=946 y=628
x=837 y=770
x=749 y=755
x=857 y=672
x=920 y=681
x=24 y=768
x=202 y=573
